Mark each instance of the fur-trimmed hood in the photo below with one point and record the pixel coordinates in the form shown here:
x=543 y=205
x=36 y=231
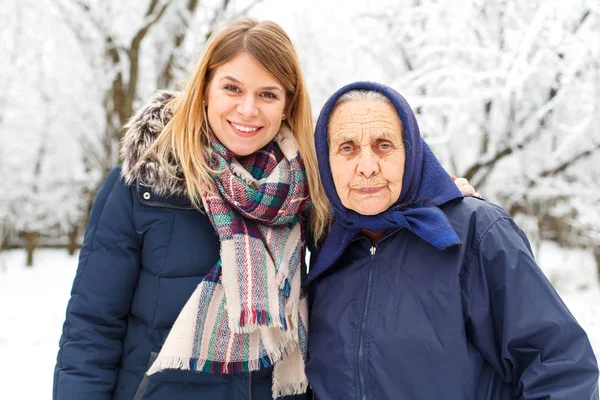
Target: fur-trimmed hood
x=142 y=130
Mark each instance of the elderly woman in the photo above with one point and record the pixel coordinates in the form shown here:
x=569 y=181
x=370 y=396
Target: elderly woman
x=419 y=293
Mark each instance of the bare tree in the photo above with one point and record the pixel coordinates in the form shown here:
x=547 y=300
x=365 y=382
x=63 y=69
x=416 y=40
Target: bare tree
x=120 y=65
x=508 y=95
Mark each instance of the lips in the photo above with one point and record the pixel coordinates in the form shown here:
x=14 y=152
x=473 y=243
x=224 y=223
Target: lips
x=244 y=130
x=369 y=190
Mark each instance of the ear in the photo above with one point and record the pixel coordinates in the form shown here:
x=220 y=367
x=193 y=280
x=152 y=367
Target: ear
x=286 y=111
x=287 y=108
x=205 y=97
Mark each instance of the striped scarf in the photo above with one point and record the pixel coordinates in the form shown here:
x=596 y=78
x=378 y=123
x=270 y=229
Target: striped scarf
x=248 y=313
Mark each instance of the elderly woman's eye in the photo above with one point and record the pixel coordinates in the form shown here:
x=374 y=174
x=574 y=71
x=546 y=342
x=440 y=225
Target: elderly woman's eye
x=346 y=149
x=385 y=146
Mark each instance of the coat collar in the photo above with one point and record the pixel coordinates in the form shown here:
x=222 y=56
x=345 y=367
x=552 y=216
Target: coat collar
x=142 y=130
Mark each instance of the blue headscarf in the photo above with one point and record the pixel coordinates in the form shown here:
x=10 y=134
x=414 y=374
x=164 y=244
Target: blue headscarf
x=425 y=186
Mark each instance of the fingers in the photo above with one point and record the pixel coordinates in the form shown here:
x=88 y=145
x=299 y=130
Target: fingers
x=467 y=189
x=460 y=182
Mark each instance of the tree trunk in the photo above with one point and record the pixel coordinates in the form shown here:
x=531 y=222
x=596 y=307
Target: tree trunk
x=73 y=245
x=597 y=257
x=2 y=264
x=30 y=246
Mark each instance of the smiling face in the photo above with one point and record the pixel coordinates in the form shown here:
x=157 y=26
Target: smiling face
x=245 y=105
x=366 y=155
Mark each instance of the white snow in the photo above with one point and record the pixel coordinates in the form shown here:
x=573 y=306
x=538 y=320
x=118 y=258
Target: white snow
x=33 y=303
x=32 y=310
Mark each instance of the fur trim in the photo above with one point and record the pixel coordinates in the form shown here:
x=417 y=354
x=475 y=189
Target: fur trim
x=142 y=130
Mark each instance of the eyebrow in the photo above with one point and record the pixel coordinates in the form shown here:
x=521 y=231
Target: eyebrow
x=344 y=137
x=341 y=139
x=231 y=78
x=387 y=136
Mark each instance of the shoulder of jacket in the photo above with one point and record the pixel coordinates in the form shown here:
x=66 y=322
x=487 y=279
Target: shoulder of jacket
x=478 y=215
x=116 y=184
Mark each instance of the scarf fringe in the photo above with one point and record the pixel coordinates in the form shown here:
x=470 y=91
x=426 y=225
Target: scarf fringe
x=209 y=366
x=283 y=283
x=255 y=317
x=250 y=320
x=290 y=389
x=252 y=325
x=221 y=367
x=194 y=364
x=168 y=362
x=232 y=367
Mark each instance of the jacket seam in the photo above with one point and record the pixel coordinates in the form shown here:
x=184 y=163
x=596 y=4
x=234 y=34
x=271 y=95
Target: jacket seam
x=473 y=251
x=490 y=226
x=471 y=257
x=133 y=220
x=162 y=266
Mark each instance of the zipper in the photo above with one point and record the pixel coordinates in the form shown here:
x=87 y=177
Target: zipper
x=249 y=385
x=363 y=327
x=143 y=386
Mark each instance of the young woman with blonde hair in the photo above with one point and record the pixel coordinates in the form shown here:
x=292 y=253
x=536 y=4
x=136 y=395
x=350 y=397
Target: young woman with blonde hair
x=188 y=283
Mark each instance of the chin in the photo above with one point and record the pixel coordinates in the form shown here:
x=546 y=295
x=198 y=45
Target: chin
x=243 y=151
x=372 y=207
x=371 y=212
x=366 y=210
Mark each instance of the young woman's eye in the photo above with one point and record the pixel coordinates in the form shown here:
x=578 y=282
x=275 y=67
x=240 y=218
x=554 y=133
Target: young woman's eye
x=269 y=95
x=231 y=88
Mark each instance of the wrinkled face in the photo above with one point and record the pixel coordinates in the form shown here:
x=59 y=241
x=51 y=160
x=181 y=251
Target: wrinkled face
x=367 y=155
x=245 y=105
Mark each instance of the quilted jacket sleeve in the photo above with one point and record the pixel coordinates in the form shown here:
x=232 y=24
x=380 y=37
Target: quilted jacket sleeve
x=519 y=323
x=96 y=320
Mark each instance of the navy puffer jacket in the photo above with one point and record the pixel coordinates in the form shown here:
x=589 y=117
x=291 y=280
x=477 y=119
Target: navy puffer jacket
x=145 y=251
x=403 y=320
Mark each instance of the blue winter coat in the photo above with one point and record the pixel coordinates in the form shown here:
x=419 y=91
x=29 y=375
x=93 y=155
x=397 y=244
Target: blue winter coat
x=402 y=320
x=145 y=251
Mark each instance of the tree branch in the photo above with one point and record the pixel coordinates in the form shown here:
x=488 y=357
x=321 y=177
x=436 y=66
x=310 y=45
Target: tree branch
x=570 y=161
x=243 y=11
x=87 y=10
x=213 y=23
x=166 y=76
x=154 y=14
x=224 y=6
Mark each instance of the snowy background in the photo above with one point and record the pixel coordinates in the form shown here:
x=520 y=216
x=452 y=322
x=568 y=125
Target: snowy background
x=507 y=93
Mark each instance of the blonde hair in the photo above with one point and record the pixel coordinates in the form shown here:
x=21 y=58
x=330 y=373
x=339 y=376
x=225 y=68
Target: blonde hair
x=186 y=135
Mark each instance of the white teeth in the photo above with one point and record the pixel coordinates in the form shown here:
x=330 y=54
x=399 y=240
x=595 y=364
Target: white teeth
x=243 y=128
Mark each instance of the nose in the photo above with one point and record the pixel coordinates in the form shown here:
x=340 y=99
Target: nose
x=247 y=107
x=367 y=164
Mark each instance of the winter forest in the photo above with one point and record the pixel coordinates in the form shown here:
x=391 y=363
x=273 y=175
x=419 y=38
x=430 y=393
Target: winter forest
x=507 y=94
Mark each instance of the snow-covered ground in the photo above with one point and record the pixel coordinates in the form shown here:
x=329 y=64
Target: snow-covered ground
x=33 y=302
